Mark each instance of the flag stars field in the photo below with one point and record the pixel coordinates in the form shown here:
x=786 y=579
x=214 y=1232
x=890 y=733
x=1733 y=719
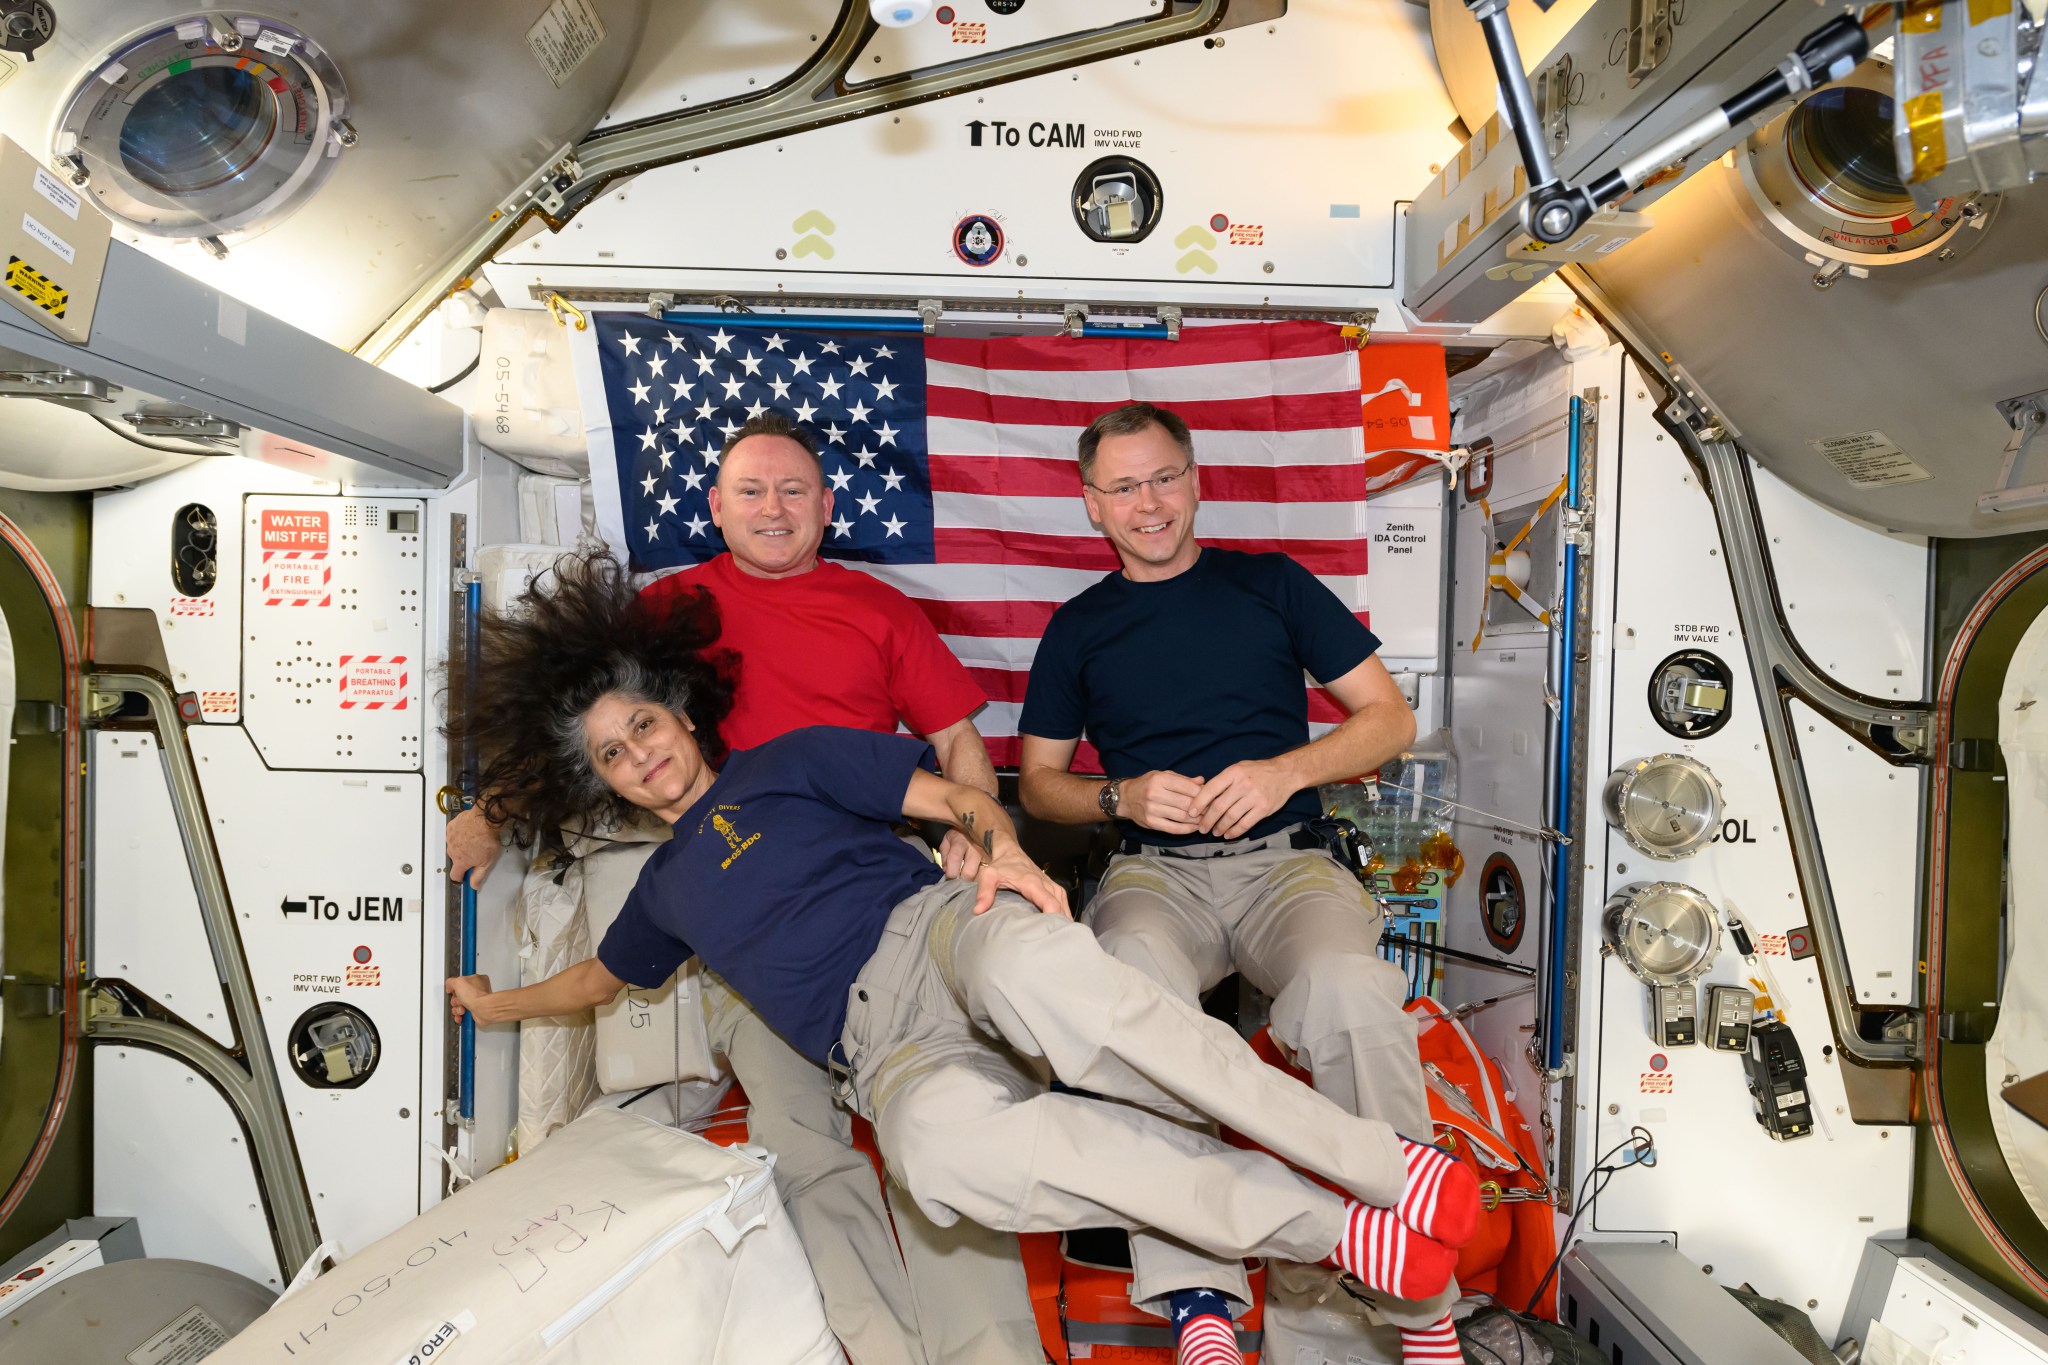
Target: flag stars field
x=671 y=466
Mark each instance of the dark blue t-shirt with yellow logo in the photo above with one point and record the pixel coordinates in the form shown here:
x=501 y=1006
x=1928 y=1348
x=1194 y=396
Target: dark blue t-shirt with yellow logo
x=781 y=877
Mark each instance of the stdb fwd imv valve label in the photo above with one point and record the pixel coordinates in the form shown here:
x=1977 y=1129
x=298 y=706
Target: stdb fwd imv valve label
x=54 y=243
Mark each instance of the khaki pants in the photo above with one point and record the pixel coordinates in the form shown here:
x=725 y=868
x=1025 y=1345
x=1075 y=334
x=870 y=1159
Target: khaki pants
x=966 y=1125
x=955 y=1293
x=1300 y=928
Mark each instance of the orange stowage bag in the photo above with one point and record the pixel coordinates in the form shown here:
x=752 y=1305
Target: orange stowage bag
x=1474 y=1118
x=1468 y=1101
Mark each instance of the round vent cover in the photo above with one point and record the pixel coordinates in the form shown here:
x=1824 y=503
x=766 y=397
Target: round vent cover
x=1665 y=933
x=1667 y=807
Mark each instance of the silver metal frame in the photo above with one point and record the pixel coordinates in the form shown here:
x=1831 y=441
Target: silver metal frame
x=814 y=96
x=250 y=1081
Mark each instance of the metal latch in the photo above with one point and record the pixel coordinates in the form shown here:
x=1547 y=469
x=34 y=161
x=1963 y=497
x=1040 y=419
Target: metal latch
x=1649 y=37
x=1973 y=755
x=38 y=718
x=2027 y=415
x=1554 y=99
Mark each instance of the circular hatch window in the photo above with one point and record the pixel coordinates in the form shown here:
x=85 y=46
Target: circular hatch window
x=205 y=126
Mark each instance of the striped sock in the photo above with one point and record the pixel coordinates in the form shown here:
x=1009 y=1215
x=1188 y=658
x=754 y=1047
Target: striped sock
x=1202 y=1331
x=1441 y=1200
x=1436 y=1344
x=1384 y=1253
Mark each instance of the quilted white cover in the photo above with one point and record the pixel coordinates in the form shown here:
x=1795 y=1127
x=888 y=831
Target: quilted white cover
x=620 y=1240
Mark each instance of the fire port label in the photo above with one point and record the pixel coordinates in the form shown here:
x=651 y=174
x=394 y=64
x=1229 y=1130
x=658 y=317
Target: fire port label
x=373 y=682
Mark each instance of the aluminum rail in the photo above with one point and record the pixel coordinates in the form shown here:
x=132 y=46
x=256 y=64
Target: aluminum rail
x=277 y=1160
x=814 y=96
x=250 y=1082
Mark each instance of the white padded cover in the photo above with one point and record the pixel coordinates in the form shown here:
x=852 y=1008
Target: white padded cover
x=2019 y=1046
x=620 y=1240
x=557 y=1055
x=645 y=1037
x=533 y=416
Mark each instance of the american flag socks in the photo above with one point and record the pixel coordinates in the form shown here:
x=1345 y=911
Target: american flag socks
x=1202 y=1331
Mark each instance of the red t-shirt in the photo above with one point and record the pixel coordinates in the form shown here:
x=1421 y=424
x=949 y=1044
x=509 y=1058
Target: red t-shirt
x=830 y=647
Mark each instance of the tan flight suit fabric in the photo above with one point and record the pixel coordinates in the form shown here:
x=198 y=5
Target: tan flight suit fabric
x=946 y=1305
x=967 y=1126
x=1301 y=929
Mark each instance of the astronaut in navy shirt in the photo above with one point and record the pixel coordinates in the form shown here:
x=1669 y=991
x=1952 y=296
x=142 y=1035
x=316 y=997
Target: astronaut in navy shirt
x=939 y=1003
x=1185 y=670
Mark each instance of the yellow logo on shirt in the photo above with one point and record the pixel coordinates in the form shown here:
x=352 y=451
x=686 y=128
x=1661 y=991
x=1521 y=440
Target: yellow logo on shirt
x=738 y=842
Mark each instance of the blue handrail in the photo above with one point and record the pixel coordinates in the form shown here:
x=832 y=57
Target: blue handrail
x=1561 y=795
x=465 y=1105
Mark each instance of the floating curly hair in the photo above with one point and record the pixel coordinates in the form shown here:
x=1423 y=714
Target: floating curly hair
x=580 y=631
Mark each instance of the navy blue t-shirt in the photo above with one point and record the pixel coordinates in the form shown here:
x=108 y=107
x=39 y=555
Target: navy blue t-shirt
x=1195 y=672
x=781 y=877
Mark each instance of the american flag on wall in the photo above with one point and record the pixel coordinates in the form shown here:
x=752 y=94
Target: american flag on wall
x=952 y=459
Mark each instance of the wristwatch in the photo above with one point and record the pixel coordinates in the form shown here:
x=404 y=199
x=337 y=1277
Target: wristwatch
x=1111 y=793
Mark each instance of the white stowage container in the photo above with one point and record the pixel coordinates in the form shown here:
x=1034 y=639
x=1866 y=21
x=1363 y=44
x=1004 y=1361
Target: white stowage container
x=644 y=1037
x=617 y=1240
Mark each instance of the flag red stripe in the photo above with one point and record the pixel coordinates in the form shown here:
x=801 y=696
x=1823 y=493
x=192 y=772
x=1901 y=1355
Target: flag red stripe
x=1014 y=620
x=1278 y=414
x=1197 y=346
x=975 y=545
x=1003 y=750
x=1009 y=684
x=1020 y=476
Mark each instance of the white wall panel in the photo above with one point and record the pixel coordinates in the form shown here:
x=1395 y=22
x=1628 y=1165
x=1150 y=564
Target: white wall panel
x=1855 y=596
x=1847 y=1181
x=1302 y=136
x=333 y=667
x=131 y=567
x=325 y=873
x=168 y=1151
x=145 y=922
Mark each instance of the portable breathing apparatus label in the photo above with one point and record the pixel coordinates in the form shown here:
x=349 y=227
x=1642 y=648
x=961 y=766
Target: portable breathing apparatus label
x=1868 y=459
x=187 y=1339
x=564 y=36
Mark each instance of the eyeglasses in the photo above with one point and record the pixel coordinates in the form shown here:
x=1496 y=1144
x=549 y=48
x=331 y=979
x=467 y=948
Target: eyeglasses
x=1128 y=488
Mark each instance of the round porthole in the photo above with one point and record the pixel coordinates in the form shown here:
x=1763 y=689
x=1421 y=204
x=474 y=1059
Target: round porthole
x=1825 y=174
x=205 y=126
x=1502 y=904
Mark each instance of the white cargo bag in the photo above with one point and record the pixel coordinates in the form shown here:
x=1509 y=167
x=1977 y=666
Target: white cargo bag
x=644 y=1037
x=618 y=1240
x=529 y=411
